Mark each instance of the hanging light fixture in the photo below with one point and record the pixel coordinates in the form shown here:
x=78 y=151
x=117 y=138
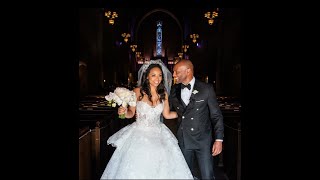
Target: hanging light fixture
x=211 y=16
x=138 y=54
x=125 y=36
x=139 y=58
x=194 y=37
x=111 y=16
x=133 y=47
x=185 y=48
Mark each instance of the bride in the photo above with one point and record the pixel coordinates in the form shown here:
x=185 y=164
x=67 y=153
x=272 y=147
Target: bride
x=147 y=149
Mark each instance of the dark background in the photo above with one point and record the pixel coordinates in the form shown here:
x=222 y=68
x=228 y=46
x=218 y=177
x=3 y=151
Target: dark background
x=106 y=60
x=109 y=60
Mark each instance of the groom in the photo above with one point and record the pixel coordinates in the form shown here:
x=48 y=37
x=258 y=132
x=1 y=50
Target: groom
x=200 y=121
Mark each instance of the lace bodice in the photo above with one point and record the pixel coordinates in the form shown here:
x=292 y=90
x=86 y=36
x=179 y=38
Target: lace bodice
x=148 y=115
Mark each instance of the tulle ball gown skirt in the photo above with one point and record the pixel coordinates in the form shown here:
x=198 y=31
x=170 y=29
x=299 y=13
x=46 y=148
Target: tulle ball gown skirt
x=146 y=153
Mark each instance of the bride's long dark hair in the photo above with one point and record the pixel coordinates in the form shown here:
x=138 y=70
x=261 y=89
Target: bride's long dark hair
x=145 y=87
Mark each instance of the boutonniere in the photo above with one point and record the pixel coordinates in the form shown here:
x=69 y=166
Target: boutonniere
x=195 y=91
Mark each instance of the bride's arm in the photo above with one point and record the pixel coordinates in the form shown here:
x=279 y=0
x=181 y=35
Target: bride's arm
x=166 y=110
x=131 y=110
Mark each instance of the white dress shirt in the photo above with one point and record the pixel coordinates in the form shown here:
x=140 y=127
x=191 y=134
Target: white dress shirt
x=186 y=93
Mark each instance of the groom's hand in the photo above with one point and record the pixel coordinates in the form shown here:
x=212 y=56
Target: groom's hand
x=216 y=148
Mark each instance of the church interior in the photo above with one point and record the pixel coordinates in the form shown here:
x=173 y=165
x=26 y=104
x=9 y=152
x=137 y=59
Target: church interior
x=115 y=42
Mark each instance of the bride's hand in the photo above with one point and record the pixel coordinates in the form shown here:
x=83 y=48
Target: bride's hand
x=122 y=110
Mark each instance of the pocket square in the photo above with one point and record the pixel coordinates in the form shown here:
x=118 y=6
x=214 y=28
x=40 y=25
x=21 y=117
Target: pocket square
x=200 y=100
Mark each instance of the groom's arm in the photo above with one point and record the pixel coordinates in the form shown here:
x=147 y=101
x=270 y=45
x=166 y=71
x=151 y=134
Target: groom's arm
x=215 y=114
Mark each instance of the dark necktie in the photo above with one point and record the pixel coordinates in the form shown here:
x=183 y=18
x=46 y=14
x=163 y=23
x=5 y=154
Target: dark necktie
x=186 y=86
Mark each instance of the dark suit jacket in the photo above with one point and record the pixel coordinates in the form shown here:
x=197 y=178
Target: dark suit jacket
x=197 y=120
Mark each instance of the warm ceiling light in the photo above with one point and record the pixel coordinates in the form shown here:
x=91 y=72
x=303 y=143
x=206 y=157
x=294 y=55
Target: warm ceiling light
x=211 y=16
x=133 y=47
x=125 y=36
x=138 y=54
x=111 y=16
x=194 y=37
x=185 y=48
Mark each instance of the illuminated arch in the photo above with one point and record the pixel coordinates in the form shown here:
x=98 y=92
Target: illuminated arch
x=154 y=11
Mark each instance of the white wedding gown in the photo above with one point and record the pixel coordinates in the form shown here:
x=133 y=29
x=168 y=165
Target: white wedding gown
x=146 y=149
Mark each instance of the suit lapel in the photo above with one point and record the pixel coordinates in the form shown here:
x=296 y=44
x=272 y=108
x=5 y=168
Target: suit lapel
x=192 y=99
x=178 y=92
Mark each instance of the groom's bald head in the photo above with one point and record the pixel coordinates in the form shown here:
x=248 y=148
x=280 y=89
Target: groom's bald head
x=183 y=71
x=185 y=63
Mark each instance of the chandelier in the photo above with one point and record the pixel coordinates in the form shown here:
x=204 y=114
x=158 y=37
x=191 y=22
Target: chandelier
x=185 y=48
x=125 y=36
x=133 y=47
x=111 y=16
x=194 y=37
x=138 y=54
x=139 y=58
x=211 y=16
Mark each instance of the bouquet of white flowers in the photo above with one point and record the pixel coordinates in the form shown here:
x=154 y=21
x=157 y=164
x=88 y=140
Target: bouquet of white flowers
x=122 y=97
